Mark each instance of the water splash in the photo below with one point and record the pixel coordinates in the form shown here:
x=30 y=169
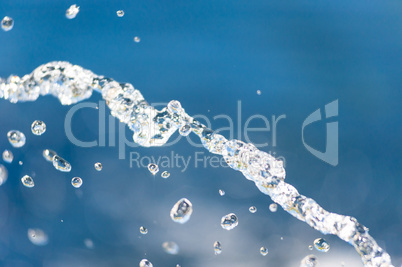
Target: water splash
x=151 y=127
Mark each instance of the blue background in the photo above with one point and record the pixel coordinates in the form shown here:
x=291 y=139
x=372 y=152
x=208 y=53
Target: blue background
x=208 y=55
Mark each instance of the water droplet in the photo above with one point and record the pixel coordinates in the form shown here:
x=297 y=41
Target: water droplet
x=310 y=247
x=37 y=237
x=137 y=39
x=321 y=245
x=145 y=263
x=174 y=106
x=20 y=162
x=143 y=230
x=98 y=166
x=89 y=243
x=8 y=156
x=27 y=181
x=253 y=209
x=185 y=129
x=7 y=24
x=217 y=248
x=221 y=192
x=229 y=221
x=120 y=13
x=181 y=211
x=153 y=168
x=16 y=138
x=170 y=247
x=76 y=182
x=309 y=261
x=61 y=164
x=38 y=127
x=3 y=174
x=273 y=207
x=258 y=92
x=264 y=251
x=165 y=174
x=48 y=154
x=72 y=11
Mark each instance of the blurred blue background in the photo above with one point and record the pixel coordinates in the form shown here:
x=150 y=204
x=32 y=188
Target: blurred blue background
x=208 y=55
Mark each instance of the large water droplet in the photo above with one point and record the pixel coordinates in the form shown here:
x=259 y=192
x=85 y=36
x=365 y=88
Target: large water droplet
x=61 y=164
x=181 y=211
x=170 y=247
x=165 y=174
x=229 y=221
x=217 y=248
x=143 y=230
x=3 y=174
x=273 y=207
x=76 y=182
x=37 y=237
x=8 y=156
x=321 y=245
x=253 y=209
x=309 y=261
x=48 y=154
x=38 y=127
x=7 y=24
x=98 y=166
x=264 y=251
x=145 y=263
x=72 y=11
x=27 y=181
x=16 y=138
x=153 y=168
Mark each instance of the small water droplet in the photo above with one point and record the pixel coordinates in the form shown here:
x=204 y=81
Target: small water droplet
x=185 y=129
x=37 y=237
x=273 y=207
x=120 y=13
x=89 y=243
x=76 y=182
x=16 y=138
x=153 y=168
x=170 y=247
x=258 y=92
x=264 y=251
x=165 y=174
x=72 y=11
x=3 y=174
x=98 y=166
x=7 y=24
x=253 y=209
x=48 y=154
x=20 y=162
x=38 y=127
x=143 y=230
x=309 y=261
x=27 y=181
x=321 y=245
x=181 y=211
x=229 y=221
x=217 y=248
x=137 y=39
x=61 y=164
x=310 y=247
x=221 y=192
x=145 y=263
x=8 y=156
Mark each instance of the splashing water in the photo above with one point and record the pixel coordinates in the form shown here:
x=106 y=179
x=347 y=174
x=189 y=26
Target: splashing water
x=151 y=127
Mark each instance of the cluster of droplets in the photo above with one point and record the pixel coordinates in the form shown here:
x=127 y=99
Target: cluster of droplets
x=151 y=127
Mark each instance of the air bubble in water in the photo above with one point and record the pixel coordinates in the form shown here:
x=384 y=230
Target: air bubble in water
x=217 y=248
x=181 y=211
x=273 y=207
x=38 y=127
x=76 y=182
x=321 y=245
x=137 y=39
x=120 y=13
x=165 y=174
x=7 y=24
x=16 y=138
x=170 y=247
x=72 y=11
x=153 y=168
x=253 y=209
x=8 y=156
x=61 y=164
x=221 y=192
x=264 y=251
x=145 y=263
x=48 y=154
x=143 y=230
x=229 y=221
x=309 y=261
x=3 y=174
x=185 y=129
x=37 y=237
x=27 y=181
x=98 y=166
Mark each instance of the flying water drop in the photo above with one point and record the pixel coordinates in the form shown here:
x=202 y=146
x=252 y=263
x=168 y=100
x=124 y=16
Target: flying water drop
x=309 y=261
x=16 y=138
x=221 y=192
x=143 y=230
x=273 y=207
x=27 y=181
x=48 y=154
x=72 y=11
x=76 y=182
x=181 y=211
x=145 y=263
x=38 y=127
x=264 y=251
x=137 y=39
x=8 y=156
x=98 y=166
x=37 y=237
x=258 y=92
x=3 y=174
x=165 y=174
x=120 y=13
x=170 y=247
x=7 y=24
x=153 y=168
x=61 y=164
x=253 y=209
x=217 y=248
x=321 y=245
x=229 y=221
